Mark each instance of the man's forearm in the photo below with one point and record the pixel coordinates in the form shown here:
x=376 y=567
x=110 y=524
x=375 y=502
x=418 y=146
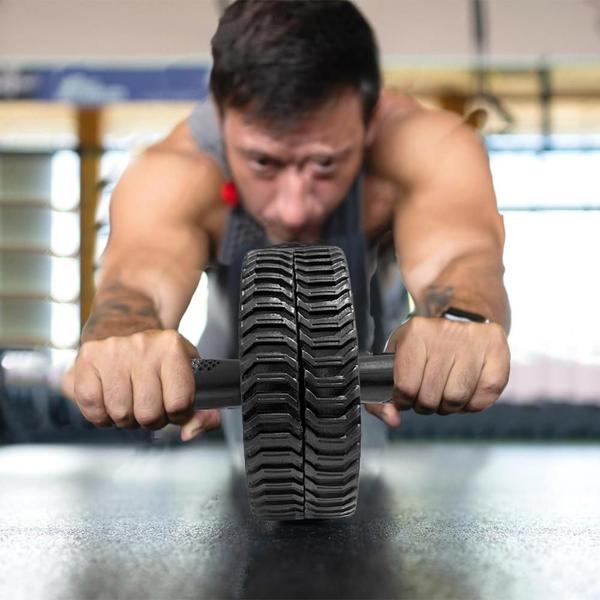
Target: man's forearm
x=118 y=311
x=470 y=283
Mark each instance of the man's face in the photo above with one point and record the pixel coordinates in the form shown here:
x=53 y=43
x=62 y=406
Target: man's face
x=291 y=182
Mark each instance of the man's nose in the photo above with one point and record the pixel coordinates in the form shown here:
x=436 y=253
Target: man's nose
x=292 y=200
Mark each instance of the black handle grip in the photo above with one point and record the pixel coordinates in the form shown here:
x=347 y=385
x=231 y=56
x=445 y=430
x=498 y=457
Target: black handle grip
x=376 y=372
x=217 y=382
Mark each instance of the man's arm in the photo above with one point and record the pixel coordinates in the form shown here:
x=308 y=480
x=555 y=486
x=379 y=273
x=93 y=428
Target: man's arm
x=133 y=367
x=158 y=243
x=448 y=233
x=449 y=240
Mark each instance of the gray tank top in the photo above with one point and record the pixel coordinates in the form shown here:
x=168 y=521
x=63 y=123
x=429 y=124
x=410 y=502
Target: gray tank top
x=343 y=228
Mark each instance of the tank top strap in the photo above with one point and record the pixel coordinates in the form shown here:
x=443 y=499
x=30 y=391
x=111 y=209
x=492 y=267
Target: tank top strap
x=204 y=127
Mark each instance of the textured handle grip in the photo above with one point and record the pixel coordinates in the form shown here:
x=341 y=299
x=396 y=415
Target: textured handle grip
x=217 y=382
x=376 y=377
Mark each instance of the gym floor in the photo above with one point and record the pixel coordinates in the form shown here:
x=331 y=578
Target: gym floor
x=435 y=520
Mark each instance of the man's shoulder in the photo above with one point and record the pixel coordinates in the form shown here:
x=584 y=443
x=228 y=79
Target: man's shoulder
x=178 y=157
x=183 y=178
x=180 y=144
x=400 y=112
x=408 y=134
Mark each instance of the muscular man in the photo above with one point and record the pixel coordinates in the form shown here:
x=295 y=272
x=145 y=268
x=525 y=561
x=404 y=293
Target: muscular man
x=316 y=152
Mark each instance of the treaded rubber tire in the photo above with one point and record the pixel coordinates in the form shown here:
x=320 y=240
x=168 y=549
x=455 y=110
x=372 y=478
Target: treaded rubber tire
x=330 y=378
x=299 y=383
x=269 y=384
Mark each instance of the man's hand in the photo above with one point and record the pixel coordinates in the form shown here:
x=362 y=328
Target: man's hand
x=144 y=379
x=445 y=367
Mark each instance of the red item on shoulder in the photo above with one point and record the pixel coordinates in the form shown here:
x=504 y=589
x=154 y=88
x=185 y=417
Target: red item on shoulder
x=229 y=194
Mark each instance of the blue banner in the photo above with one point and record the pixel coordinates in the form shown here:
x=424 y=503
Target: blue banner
x=98 y=86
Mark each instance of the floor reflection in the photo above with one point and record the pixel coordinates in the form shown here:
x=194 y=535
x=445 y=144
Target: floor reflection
x=349 y=558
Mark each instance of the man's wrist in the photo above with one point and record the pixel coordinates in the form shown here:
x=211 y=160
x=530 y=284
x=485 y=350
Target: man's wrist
x=96 y=330
x=453 y=313
x=120 y=311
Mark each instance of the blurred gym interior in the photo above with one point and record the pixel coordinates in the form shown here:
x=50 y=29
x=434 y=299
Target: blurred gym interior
x=500 y=504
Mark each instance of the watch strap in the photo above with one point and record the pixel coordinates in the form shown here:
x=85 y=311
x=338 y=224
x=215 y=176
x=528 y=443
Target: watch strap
x=458 y=314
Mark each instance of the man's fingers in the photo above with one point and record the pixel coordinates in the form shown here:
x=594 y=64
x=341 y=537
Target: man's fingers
x=493 y=380
x=409 y=364
x=494 y=374
x=87 y=390
x=148 y=402
x=202 y=420
x=118 y=399
x=387 y=412
x=403 y=402
x=435 y=375
x=178 y=388
x=190 y=348
x=461 y=386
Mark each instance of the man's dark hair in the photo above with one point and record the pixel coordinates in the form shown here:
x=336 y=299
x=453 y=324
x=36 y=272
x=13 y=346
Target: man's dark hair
x=281 y=59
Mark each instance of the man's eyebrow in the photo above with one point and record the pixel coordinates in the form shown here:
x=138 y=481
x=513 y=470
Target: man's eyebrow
x=254 y=153
x=335 y=155
x=258 y=153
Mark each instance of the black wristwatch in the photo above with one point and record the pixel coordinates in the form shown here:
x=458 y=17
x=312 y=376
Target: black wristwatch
x=459 y=314
x=455 y=314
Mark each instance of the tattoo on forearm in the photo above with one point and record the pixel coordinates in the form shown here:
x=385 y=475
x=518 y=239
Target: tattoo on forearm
x=119 y=310
x=437 y=300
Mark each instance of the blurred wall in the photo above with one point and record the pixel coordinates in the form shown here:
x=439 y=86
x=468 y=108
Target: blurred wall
x=180 y=30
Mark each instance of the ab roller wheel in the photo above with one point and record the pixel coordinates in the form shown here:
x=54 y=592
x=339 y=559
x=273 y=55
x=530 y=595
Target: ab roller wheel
x=271 y=386
x=298 y=382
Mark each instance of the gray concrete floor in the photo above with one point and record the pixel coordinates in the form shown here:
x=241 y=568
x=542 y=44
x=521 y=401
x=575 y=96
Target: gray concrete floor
x=439 y=521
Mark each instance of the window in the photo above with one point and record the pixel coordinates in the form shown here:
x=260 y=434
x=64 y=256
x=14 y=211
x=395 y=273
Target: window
x=551 y=206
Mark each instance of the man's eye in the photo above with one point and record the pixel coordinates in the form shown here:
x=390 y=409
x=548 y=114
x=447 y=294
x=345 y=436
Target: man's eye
x=324 y=165
x=262 y=163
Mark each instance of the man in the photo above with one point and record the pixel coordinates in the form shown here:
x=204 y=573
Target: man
x=309 y=149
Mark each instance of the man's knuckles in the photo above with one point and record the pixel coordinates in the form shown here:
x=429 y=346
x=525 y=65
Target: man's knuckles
x=461 y=385
x=154 y=419
x=179 y=409
x=96 y=415
x=121 y=414
x=455 y=402
x=406 y=388
x=87 y=396
x=493 y=385
x=473 y=346
x=428 y=400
